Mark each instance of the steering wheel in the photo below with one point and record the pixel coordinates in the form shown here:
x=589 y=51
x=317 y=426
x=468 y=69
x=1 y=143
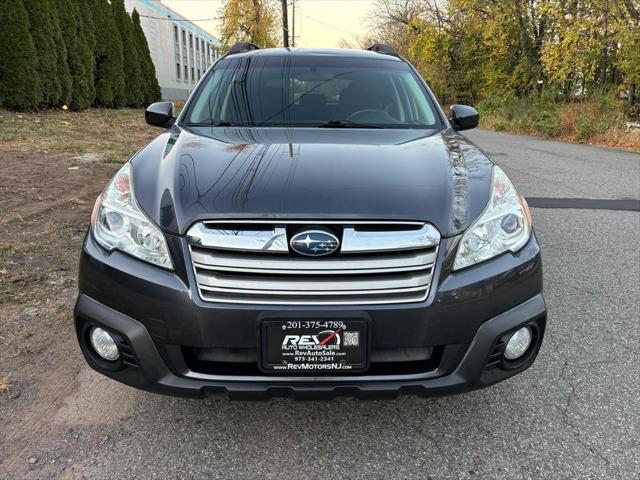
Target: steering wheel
x=377 y=114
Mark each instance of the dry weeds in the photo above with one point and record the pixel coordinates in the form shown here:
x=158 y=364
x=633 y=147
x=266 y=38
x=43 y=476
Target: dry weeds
x=4 y=385
x=112 y=134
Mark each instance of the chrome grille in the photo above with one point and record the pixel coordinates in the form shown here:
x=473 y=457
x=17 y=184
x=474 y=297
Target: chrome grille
x=378 y=263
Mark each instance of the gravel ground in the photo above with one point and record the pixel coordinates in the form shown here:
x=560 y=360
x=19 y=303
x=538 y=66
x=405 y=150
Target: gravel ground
x=575 y=414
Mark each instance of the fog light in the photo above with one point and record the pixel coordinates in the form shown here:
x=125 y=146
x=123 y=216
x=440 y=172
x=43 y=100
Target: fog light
x=518 y=344
x=104 y=344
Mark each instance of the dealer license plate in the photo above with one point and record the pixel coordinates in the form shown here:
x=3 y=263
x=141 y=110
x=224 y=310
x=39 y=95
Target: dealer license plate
x=314 y=346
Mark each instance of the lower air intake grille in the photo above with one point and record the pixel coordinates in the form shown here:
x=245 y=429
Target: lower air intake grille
x=126 y=353
x=496 y=355
x=395 y=264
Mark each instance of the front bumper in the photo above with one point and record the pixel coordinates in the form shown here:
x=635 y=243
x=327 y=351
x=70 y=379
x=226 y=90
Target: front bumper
x=154 y=314
x=151 y=372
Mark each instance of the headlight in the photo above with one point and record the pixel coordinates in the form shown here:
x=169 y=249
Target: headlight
x=505 y=225
x=119 y=224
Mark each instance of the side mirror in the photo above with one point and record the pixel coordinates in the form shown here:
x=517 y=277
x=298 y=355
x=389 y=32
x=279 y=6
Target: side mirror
x=463 y=117
x=160 y=114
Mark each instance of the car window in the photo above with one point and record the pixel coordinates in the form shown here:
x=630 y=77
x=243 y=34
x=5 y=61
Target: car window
x=312 y=91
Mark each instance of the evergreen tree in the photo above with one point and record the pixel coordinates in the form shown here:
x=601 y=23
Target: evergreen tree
x=110 y=84
x=89 y=26
x=77 y=54
x=19 y=83
x=42 y=33
x=132 y=70
x=87 y=34
x=62 y=64
x=151 y=92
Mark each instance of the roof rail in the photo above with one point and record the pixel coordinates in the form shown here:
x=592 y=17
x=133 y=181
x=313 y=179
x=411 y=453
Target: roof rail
x=384 y=49
x=241 y=47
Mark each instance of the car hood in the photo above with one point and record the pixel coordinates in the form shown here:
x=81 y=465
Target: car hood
x=191 y=174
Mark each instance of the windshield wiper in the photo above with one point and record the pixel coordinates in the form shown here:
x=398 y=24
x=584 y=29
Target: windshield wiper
x=230 y=124
x=218 y=124
x=347 y=124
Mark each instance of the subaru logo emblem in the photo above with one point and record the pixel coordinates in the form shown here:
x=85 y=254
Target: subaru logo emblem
x=314 y=243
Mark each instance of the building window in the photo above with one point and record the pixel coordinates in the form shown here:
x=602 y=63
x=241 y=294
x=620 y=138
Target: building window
x=198 y=74
x=176 y=50
x=193 y=75
x=184 y=37
x=186 y=73
x=190 y=41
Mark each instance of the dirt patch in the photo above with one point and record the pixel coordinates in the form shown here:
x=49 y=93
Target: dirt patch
x=46 y=197
x=97 y=134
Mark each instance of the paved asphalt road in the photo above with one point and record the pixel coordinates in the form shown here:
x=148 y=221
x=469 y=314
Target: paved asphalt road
x=575 y=414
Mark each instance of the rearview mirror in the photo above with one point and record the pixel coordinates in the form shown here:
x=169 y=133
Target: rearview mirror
x=160 y=114
x=463 y=117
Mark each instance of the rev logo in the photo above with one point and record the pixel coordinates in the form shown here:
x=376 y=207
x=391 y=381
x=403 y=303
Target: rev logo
x=326 y=337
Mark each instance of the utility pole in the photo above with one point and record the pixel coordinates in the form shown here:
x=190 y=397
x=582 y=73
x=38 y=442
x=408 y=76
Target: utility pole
x=293 y=23
x=285 y=24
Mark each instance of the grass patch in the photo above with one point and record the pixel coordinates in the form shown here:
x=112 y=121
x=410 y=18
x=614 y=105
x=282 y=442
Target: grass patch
x=598 y=120
x=115 y=134
x=7 y=247
x=114 y=159
x=4 y=385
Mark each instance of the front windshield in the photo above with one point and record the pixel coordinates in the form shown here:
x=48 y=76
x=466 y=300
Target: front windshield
x=321 y=91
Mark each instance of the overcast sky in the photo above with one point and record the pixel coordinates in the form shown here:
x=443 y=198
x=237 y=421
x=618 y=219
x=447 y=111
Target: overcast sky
x=319 y=23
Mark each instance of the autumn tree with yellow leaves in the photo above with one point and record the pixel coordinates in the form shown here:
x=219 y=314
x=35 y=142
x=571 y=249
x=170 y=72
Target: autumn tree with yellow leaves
x=254 y=21
x=475 y=49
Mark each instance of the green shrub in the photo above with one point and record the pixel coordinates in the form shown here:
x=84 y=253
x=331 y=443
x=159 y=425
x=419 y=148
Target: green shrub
x=43 y=35
x=151 y=88
x=132 y=69
x=88 y=38
x=597 y=115
x=110 y=83
x=79 y=57
x=546 y=114
x=550 y=116
x=19 y=81
x=104 y=93
x=62 y=64
x=584 y=129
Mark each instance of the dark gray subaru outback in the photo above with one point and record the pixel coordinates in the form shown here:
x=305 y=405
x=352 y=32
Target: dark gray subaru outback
x=311 y=224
